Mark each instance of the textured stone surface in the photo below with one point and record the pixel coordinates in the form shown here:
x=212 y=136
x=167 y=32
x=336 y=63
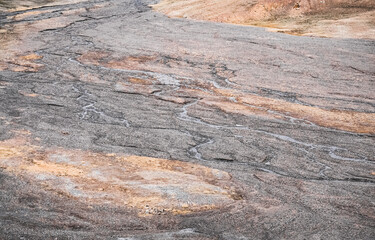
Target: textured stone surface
x=251 y=134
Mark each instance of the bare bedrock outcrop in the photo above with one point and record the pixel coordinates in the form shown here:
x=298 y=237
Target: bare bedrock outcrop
x=117 y=122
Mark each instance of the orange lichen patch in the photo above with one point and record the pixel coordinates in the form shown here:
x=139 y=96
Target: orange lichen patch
x=74 y=11
x=138 y=59
x=344 y=120
x=252 y=104
x=236 y=101
x=91 y=78
x=17 y=65
x=132 y=62
x=195 y=93
x=23 y=63
x=52 y=168
x=31 y=95
x=141 y=81
x=279 y=109
x=3 y=66
x=147 y=63
x=107 y=60
x=16 y=147
x=135 y=88
x=17 y=43
x=52 y=23
x=99 y=6
x=153 y=186
x=28 y=94
x=238 y=108
x=22 y=16
x=32 y=56
x=4 y=84
x=10 y=152
x=22 y=133
x=95 y=58
x=177 y=100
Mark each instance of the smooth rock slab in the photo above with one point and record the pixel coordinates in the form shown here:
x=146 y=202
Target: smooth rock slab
x=289 y=119
x=151 y=185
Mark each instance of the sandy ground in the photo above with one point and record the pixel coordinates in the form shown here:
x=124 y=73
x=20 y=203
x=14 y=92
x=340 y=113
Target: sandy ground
x=335 y=18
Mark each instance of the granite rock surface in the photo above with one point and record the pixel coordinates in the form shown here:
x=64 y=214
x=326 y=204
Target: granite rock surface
x=117 y=122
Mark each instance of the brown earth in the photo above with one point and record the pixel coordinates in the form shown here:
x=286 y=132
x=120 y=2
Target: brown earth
x=324 y=18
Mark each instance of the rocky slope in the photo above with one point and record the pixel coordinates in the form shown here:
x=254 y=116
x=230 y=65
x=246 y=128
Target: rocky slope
x=117 y=122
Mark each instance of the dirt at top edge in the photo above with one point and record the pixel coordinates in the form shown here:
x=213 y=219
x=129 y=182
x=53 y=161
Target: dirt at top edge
x=325 y=18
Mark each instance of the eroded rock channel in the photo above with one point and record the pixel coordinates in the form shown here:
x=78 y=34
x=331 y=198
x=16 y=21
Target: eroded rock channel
x=117 y=122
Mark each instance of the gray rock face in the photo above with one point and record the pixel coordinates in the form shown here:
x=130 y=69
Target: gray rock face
x=85 y=85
